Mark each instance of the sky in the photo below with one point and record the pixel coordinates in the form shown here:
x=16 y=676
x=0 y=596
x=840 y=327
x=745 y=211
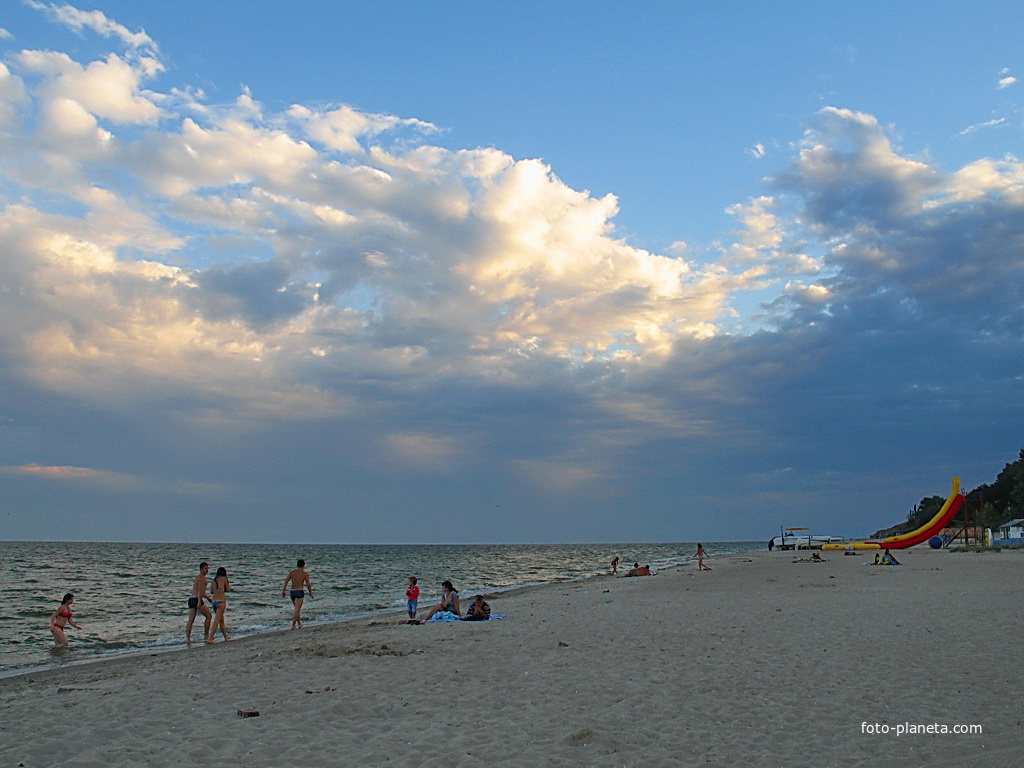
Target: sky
x=418 y=272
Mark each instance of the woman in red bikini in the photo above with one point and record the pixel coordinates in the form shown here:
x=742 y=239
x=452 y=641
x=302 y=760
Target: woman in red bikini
x=61 y=618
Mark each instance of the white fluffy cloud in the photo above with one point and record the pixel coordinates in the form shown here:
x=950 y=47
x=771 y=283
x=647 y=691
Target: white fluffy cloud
x=388 y=258
x=338 y=283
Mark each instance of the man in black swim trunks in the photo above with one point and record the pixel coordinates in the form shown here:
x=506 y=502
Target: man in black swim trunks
x=195 y=604
x=300 y=581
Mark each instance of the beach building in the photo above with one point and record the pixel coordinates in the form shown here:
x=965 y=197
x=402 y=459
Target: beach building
x=1010 y=533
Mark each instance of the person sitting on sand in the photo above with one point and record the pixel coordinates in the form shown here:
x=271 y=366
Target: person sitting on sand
x=449 y=601
x=878 y=558
x=888 y=559
x=61 y=618
x=478 y=610
x=816 y=557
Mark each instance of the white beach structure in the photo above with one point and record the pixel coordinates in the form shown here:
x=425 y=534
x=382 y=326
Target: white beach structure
x=1010 y=533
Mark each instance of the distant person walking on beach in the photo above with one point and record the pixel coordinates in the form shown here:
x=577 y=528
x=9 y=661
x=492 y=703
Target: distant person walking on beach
x=300 y=583
x=412 y=597
x=219 y=602
x=449 y=601
x=701 y=554
x=196 y=605
x=615 y=564
x=61 y=618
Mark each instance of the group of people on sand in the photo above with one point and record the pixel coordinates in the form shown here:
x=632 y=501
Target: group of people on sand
x=885 y=559
x=645 y=570
x=213 y=614
x=449 y=604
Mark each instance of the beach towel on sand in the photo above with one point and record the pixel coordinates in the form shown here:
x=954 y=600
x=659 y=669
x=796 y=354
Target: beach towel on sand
x=449 y=616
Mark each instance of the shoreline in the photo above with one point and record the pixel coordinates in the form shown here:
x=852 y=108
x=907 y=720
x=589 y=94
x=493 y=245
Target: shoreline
x=182 y=647
x=130 y=601
x=761 y=661
x=375 y=618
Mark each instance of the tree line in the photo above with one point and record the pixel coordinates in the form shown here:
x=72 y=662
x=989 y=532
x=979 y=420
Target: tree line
x=990 y=504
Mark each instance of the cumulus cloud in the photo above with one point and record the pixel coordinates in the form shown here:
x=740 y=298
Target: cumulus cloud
x=249 y=276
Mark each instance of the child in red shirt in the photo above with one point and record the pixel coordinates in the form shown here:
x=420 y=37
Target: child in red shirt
x=412 y=597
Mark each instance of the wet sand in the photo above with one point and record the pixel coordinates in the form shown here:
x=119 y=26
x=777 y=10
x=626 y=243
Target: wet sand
x=759 y=662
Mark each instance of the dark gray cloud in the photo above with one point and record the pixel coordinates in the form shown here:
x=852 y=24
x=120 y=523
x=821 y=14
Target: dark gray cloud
x=416 y=343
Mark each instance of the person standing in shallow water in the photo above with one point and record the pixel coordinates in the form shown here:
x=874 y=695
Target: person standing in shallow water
x=300 y=582
x=219 y=602
x=61 y=618
x=196 y=605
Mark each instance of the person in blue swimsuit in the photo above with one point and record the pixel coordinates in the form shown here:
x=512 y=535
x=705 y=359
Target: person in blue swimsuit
x=219 y=588
x=300 y=582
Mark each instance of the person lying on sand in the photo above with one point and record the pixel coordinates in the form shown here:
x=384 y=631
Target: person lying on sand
x=815 y=558
x=639 y=570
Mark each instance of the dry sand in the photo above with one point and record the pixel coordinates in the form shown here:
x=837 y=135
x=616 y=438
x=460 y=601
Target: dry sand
x=760 y=662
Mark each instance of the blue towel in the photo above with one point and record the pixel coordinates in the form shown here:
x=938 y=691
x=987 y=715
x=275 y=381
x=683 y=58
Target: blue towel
x=449 y=616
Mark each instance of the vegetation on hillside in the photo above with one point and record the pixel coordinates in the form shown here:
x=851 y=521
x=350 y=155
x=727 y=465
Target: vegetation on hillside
x=1002 y=500
x=990 y=504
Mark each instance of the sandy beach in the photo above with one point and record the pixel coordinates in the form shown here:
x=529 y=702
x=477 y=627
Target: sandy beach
x=762 y=662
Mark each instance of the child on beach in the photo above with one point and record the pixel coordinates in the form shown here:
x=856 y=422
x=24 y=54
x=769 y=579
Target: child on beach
x=412 y=597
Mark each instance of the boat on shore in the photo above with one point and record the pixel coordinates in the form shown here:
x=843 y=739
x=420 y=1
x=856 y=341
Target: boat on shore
x=790 y=538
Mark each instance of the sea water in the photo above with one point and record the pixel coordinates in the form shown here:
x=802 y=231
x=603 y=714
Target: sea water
x=131 y=598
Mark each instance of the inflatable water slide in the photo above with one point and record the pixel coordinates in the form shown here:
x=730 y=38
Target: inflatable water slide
x=932 y=528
